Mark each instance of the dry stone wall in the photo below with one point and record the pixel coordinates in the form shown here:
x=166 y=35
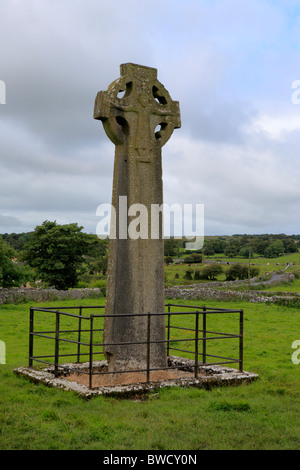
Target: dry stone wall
x=18 y=295
x=195 y=292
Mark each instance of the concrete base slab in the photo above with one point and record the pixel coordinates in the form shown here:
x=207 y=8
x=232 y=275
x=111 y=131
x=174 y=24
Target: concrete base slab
x=74 y=377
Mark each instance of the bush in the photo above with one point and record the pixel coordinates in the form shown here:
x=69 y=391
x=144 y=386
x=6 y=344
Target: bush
x=82 y=285
x=188 y=274
x=193 y=258
x=197 y=275
x=240 y=272
x=211 y=271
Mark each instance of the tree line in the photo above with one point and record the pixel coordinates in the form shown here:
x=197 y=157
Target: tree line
x=60 y=255
x=268 y=245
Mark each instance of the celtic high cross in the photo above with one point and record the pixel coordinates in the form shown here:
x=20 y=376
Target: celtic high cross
x=139 y=117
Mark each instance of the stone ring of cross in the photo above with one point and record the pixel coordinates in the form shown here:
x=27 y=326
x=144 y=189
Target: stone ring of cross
x=137 y=107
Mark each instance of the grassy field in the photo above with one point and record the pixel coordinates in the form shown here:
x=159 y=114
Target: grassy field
x=262 y=415
x=175 y=273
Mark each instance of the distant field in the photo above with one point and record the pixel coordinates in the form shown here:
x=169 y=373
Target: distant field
x=293 y=286
x=175 y=273
x=262 y=415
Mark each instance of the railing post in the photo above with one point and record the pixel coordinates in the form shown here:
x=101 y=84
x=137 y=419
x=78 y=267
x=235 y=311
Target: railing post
x=148 y=345
x=31 y=321
x=241 y=340
x=196 y=344
x=56 y=360
x=91 y=351
x=169 y=324
x=204 y=336
x=79 y=334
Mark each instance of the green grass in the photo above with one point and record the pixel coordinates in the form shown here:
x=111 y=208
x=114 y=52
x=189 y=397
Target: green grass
x=262 y=415
x=293 y=286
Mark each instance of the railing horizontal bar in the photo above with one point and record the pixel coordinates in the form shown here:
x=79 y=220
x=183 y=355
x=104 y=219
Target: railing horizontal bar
x=174 y=340
x=87 y=307
x=222 y=357
x=183 y=306
x=65 y=355
x=219 y=337
x=232 y=361
x=181 y=350
x=181 y=328
x=210 y=308
x=61 y=313
x=67 y=308
x=67 y=331
x=202 y=331
x=145 y=342
x=59 y=339
x=115 y=315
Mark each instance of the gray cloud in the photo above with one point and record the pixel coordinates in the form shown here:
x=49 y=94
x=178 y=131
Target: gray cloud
x=218 y=59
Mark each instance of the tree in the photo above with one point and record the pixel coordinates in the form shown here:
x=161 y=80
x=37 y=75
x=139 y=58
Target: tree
x=193 y=258
x=168 y=260
x=56 y=251
x=244 y=251
x=171 y=246
x=274 y=250
x=211 y=271
x=261 y=246
x=208 y=250
x=218 y=245
x=96 y=256
x=232 y=248
x=10 y=272
x=240 y=271
x=291 y=247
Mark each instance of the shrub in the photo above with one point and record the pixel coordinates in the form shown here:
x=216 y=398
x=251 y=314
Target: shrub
x=240 y=272
x=211 y=271
x=193 y=258
x=197 y=275
x=188 y=274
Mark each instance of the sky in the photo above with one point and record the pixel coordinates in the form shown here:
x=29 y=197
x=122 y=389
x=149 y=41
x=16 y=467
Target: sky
x=231 y=65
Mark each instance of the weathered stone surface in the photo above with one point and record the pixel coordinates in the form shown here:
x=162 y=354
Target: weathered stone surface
x=209 y=376
x=135 y=281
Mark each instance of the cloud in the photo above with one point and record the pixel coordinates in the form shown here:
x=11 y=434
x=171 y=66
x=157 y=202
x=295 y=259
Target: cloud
x=7 y=222
x=231 y=69
x=247 y=184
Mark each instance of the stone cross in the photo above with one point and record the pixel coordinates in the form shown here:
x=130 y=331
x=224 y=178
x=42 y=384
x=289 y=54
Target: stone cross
x=139 y=117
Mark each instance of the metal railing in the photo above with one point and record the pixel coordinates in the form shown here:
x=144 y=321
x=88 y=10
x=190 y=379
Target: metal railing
x=84 y=337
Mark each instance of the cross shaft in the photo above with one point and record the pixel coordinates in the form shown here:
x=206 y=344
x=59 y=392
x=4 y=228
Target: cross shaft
x=135 y=282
